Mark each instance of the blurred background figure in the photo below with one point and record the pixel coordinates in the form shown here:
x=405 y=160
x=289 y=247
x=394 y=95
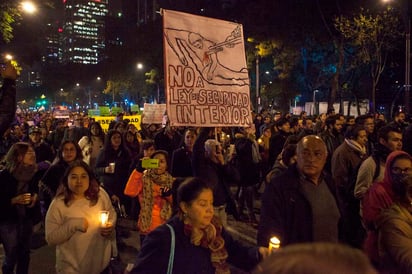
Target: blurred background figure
x=247 y=164
x=181 y=164
x=92 y=143
x=316 y=258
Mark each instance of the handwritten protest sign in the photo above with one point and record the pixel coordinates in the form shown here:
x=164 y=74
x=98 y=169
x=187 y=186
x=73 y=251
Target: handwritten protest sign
x=207 y=82
x=153 y=113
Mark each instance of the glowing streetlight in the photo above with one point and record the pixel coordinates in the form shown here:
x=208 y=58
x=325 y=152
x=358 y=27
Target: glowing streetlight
x=139 y=66
x=28 y=7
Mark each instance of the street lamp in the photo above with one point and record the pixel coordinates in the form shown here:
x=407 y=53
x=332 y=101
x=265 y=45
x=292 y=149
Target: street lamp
x=28 y=7
x=314 y=101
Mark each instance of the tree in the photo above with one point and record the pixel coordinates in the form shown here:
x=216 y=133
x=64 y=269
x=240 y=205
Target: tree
x=153 y=79
x=118 y=87
x=9 y=14
x=374 y=37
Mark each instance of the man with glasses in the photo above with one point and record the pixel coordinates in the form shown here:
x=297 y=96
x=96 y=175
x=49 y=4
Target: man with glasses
x=300 y=204
x=381 y=196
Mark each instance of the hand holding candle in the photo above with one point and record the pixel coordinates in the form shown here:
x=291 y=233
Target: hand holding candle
x=274 y=244
x=107 y=230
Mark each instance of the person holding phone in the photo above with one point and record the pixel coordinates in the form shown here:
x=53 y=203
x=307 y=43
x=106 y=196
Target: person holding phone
x=153 y=189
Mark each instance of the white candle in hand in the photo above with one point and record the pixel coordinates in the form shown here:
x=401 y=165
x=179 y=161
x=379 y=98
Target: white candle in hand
x=104 y=217
x=274 y=244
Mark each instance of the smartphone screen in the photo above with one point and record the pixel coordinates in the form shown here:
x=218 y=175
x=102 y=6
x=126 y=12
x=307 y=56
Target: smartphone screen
x=150 y=163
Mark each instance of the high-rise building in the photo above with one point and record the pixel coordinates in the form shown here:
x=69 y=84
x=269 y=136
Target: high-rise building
x=83 y=37
x=52 y=54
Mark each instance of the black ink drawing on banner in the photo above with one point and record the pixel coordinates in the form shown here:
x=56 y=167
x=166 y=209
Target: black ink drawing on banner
x=192 y=49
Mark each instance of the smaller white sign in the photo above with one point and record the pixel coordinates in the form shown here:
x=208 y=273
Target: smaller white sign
x=153 y=113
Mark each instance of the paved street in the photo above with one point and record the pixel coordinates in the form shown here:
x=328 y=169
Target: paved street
x=43 y=256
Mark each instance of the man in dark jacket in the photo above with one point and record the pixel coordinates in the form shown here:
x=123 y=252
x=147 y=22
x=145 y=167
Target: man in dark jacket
x=7 y=96
x=300 y=204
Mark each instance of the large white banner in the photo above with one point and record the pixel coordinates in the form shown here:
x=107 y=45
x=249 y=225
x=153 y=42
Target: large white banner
x=207 y=81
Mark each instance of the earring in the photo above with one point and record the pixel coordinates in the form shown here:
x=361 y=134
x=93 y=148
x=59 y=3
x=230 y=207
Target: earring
x=184 y=215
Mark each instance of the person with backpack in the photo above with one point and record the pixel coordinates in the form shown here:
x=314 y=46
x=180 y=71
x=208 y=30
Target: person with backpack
x=372 y=169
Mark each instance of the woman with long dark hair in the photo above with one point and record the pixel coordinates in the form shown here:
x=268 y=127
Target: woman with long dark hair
x=92 y=143
x=112 y=167
x=68 y=152
x=18 y=206
x=201 y=243
x=83 y=239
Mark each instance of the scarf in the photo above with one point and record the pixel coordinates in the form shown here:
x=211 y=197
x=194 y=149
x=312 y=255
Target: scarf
x=356 y=146
x=211 y=238
x=150 y=178
x=23 y=174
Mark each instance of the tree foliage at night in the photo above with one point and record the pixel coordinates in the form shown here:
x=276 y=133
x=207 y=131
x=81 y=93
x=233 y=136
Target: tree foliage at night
x=9 y=14
x=373 y=37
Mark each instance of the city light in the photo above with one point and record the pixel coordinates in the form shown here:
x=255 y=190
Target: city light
x=28 y=7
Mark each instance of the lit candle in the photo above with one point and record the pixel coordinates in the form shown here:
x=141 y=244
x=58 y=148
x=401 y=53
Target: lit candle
x=104 y=217
x=260 y=141
x=274 y=244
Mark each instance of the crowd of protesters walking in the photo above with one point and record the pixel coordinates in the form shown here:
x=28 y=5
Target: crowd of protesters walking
x=326 y=178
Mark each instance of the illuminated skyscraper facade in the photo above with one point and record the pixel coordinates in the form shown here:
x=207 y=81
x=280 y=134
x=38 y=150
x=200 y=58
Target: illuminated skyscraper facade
x=83 y=39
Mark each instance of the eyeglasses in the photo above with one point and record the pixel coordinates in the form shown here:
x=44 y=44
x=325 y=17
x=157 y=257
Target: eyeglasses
x=398 y=170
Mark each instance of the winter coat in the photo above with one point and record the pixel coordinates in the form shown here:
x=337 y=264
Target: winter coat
x=247 y=167
x=188 y=258
x=113 y=183
x=285 y=211
x=395 y=240
x=9 y=212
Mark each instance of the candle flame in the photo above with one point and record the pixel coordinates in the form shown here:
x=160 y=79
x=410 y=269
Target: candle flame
x=104 y=217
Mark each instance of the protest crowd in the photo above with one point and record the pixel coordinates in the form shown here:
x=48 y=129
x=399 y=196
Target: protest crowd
x=336 y=185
